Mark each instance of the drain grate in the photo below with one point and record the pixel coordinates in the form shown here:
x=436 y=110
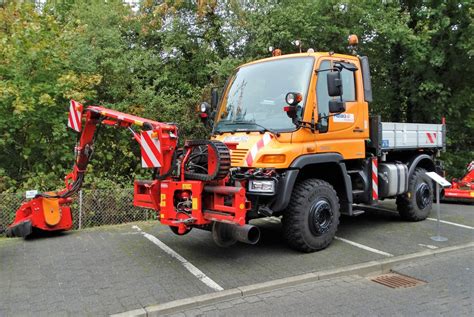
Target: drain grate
x=396 y=280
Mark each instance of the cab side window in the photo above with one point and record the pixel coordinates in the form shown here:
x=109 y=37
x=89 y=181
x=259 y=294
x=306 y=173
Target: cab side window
x=348 y=85
x=348 y=91
x=322 y=90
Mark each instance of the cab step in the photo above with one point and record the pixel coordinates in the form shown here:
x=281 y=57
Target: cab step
x=357 y=212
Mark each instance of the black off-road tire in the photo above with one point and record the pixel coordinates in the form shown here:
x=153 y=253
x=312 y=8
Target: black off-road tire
x=312 y=217
x=415 y=205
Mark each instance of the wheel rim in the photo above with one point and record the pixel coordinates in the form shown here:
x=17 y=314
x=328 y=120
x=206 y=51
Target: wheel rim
x=423 y=196
x=320 y=217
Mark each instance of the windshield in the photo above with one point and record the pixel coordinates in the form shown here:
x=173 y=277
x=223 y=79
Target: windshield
x=256 y=95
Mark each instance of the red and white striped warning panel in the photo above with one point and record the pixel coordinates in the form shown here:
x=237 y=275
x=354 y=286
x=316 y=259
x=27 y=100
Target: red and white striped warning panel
x=150 y=148
x=431 y=137
x=375 y=179
x=75 y=115
x=252 y=155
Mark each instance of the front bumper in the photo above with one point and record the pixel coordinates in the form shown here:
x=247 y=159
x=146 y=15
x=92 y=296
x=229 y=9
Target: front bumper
x=278 y=201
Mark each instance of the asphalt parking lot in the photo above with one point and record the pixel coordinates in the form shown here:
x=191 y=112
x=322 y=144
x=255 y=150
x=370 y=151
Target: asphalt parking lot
x=112 y=269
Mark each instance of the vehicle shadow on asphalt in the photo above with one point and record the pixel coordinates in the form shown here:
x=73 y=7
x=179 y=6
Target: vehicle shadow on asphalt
x=272 y=238
x=38 y=234
x=272 y=244
x=375 y=215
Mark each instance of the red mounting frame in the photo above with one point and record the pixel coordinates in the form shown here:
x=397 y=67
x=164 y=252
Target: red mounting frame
x=210 y=202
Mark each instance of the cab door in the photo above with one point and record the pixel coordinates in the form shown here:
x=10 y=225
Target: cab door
x=345 y=132
x=345 y=120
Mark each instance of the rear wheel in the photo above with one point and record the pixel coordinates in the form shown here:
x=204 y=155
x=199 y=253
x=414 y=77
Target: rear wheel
x=312 y=217
x=415 y=205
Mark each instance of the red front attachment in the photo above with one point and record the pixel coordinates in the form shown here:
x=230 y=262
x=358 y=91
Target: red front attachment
x=49 y=214
x=191 y=188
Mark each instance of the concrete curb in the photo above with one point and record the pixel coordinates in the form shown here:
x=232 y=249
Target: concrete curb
x=367 y=268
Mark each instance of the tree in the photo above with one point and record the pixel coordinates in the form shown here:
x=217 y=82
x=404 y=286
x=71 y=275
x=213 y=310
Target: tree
x=162 y=60
x=36 y=83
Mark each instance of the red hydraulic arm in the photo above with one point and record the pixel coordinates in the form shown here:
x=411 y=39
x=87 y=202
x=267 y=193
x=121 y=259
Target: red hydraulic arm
x=190 y=190
x=167 y=134
x=50 y=211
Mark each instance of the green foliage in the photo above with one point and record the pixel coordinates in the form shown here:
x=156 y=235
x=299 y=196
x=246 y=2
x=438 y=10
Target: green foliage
x=162 y=60
x=36 y=83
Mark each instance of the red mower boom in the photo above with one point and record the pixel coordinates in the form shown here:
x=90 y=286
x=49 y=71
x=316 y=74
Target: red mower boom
x=190 y=187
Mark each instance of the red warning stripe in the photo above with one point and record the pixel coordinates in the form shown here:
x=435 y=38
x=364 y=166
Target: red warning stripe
x=375 y=179
x=148 y=162
x=75 y=114
x=152 y=145
x=431 y=138
x=252 y=155
x=150 y=148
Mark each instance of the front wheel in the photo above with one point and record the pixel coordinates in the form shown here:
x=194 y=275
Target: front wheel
x=312 y=217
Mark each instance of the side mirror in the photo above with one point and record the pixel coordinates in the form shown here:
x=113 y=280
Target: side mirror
x=334 y=84
x=337 y=106
x=214 y=98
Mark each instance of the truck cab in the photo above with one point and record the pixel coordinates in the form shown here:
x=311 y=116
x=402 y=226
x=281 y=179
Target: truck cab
x=300 y=134
x=254 y=102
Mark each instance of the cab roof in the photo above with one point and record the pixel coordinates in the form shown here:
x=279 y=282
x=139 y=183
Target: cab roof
x=315 y=55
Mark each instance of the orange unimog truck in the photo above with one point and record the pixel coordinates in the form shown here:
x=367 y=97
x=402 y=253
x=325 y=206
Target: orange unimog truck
x=299 y=130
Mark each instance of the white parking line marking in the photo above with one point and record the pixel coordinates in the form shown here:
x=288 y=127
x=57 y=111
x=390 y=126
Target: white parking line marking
x=451 y=223
x=190 y=267
x=432 y=219
x=429 y=246
x=364 y=247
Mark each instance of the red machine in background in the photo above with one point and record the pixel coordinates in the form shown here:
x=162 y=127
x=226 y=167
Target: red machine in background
x=191 y=187
x=462 y=189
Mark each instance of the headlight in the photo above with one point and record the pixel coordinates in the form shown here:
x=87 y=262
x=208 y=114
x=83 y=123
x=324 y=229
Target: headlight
x=293 y=98
x=262 y=186
x=204 y=107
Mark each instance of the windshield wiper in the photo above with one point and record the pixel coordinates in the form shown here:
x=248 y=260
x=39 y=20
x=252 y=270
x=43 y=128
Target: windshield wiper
x=265 y=129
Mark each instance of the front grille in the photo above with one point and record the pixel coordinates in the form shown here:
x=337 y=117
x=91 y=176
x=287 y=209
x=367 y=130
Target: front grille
x=237 y=156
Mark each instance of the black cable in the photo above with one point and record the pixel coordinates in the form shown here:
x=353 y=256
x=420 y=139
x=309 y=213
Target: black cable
x=170 y=171
x=77 y=184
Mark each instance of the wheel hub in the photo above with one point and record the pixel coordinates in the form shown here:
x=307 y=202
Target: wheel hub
x=320 y=217
x=423 y=196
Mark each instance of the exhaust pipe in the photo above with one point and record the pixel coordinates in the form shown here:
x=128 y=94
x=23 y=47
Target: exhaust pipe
x=247 y=233
x=225 y=234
